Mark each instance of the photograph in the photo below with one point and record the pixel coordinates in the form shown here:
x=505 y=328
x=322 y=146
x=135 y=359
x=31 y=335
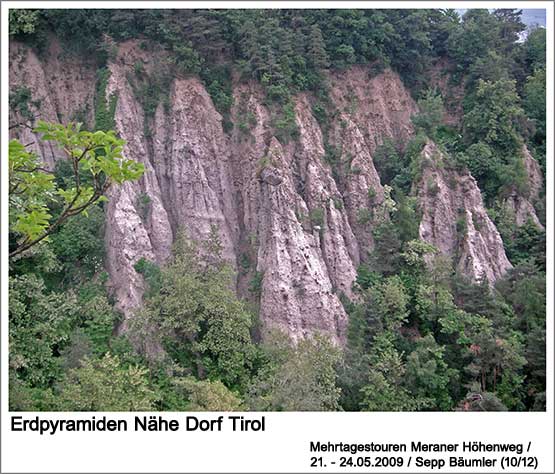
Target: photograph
x=249 y=209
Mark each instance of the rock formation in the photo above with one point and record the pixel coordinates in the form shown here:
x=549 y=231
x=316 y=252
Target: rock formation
x=288 y=219
x=62 y=89
x=521 y=205
x=455 y=220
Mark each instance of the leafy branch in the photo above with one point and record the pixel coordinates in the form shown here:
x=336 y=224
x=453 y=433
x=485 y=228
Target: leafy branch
x=97 y=163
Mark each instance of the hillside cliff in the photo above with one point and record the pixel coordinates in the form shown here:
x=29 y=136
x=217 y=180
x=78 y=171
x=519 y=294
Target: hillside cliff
x=455 y=220
x=288 y=217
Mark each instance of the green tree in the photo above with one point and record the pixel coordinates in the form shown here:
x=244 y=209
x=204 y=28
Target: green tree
x=383 y=307
x=493 y=116
x=477 y=35
x=23 y=21
x=524 y=288
x=385 y=390
x=427 y=374
x=415 y=253
x=297 y=378
x=410 y=45
x=317 y=55
x=352 y=370
x=106 y=385
x=196 y=315
x=510 y=25
x=444 y=23
x=187 y=59
x=535 y=103
x=495 y=358
x=389 y=300
x=387 y=245
x=431 y=112
x=492 y=67
x=525 y=243
x=205 y=395
x=387 y=161
x=41 y=324
x=432 y=297
x=534 y=49
x=22 y=397
x=79 y=247
x=33 y=191
x=484 y=165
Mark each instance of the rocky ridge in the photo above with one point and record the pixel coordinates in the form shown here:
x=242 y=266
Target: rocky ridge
x=287 y=217
x=455 y=221
x=521 y=205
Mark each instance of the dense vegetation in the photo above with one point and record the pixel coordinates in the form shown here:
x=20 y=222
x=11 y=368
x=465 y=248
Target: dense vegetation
x=420 y=336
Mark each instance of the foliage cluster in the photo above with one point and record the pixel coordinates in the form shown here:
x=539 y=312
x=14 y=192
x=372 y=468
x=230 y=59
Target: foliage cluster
x=39 y=204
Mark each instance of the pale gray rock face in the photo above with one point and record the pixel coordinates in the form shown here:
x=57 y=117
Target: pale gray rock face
x=455 y=221
x=271 y=176
x=370 y=109
x=285 y=216
x=337 y=242
x=192 y=157
x=299 y=243
x=522 y=206
x=363 y=189
x=62 y=89
x=296 y=294
x=534 y=172
x=186 y=185
x=522 y=209
x=379 y=104
x=137 y=224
